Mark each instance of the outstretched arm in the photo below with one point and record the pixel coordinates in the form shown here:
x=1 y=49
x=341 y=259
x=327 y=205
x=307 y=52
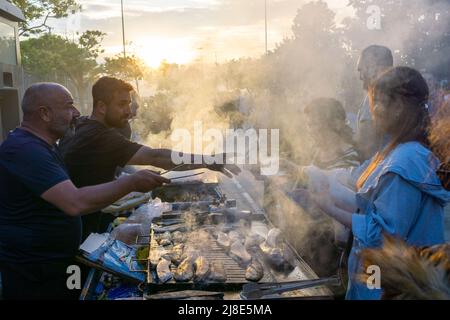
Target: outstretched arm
x=79 y=201
x=162 y=158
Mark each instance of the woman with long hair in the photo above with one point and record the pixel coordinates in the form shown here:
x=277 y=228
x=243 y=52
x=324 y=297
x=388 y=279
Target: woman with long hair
x=400 y=193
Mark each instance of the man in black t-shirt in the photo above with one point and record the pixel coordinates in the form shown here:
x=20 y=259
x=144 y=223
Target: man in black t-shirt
x=92 y=156
x=40 y=208
x=97 y=149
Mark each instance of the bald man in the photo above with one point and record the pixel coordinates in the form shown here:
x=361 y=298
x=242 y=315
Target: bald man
x=40 y=207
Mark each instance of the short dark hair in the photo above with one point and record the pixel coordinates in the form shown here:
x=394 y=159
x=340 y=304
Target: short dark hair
x=39 y=94
x=379 y=55
x=104 y=88
x=326 y=109
x=31 y=99
x=331 y=113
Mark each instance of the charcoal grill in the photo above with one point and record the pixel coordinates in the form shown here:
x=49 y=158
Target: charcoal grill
x=188 y=191
x=235 y=273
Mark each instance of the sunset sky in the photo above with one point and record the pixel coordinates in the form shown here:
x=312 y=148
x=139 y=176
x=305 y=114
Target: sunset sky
x=182 y=31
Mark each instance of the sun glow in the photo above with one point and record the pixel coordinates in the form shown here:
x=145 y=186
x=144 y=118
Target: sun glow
x=173 y=50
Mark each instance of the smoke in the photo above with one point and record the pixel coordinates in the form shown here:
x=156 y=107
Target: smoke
x=317 y=60
x=191 y=94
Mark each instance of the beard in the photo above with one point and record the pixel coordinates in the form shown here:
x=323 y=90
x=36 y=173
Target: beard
x=114 y=121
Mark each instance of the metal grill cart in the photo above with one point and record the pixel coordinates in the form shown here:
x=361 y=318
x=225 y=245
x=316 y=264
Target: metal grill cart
x=198 y=216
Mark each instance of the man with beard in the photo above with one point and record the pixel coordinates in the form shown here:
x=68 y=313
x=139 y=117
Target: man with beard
x=374 y=60
x=40 y=207
x=95 y=151
x=127 y=131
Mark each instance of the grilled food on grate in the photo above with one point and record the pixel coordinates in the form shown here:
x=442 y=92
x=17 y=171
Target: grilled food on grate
x=163 y=271
x=185 y=271
x=239 y=253
x=223 y=240
x=217 y=272
x=201 y=269
x=254 y=272
x=252 y=241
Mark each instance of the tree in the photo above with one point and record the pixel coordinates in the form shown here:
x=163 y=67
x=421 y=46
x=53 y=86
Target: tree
x=167 y=77
x=155 y=114
x=53 y=56
x=42 y=10
x=129 y=68
x=313 y=62
x=417 y=31
x=315 y=25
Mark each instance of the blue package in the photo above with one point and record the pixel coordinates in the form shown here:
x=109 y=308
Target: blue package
x=119 y=257
x=122 y=292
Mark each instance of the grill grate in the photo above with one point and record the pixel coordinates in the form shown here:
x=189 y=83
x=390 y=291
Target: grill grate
x=235 y=274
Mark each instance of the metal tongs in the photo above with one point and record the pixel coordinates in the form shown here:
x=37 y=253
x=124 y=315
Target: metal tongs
x=188 y=176
x=181 y=177
x=173 y=169
x=257 y=291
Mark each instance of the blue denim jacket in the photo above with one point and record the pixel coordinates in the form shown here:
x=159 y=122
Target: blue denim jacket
x=403 y=197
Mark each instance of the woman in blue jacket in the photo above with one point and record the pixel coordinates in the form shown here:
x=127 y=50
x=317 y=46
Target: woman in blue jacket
x=400 y=193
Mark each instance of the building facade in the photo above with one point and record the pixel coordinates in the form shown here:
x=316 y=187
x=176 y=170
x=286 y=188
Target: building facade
x=10 y=69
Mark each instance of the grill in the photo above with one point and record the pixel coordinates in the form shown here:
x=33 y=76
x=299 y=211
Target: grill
x=235 y=273
x=189 y=191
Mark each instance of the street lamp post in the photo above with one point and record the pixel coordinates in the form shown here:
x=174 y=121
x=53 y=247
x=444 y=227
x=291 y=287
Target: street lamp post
x=265 y=20
x=123 y=31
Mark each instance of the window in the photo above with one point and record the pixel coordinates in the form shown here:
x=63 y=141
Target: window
x=7 y=44
x=8 y=79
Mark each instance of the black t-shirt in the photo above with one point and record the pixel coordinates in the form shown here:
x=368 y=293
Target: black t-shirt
x=94 y=152
x=31 y=229
x=92 y=155
x=125 y=131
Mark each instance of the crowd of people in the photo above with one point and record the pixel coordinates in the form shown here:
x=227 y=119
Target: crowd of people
x=50 y=201
x=389 y=179
x=58 y=170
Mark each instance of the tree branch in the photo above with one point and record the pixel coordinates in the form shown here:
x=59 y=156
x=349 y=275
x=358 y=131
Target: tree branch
x=44 y=24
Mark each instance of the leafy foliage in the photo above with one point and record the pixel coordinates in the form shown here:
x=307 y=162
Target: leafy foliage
x=40 y=11
x=52 y=55
x=127 y=68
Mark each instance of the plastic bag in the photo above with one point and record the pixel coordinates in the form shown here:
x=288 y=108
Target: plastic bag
x=145 y=214
x=339 y=190
x=128 y=233
x=317 y=179
x=331 y=181
x=139 y=222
